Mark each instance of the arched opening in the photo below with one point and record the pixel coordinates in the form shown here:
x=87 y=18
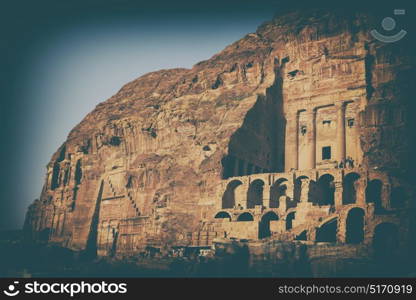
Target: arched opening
x=355 y=226
x=303 y=236
x=289 y=220
x=255 y=193
x=223 y=215
x=325 y=190
x=229 y=197
x=385 y=241
x=277 y=190
x=397 y=197
x=264 y=226
x=245 y=217
x=328 y=231
x=349 y=193
x=373 y=193
x=297 y=193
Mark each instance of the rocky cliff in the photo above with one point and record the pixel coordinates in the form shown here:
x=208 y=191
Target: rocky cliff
x=147 y=164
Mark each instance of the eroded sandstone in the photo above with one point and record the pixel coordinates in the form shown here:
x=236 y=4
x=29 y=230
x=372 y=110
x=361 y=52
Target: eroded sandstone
x=246 y=145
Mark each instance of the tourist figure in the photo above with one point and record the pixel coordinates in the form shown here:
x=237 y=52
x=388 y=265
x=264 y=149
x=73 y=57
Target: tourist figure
x=347 y=162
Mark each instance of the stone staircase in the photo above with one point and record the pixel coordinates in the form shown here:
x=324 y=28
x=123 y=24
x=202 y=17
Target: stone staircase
x=113 y=191
x=133 y=203
x=129 y=196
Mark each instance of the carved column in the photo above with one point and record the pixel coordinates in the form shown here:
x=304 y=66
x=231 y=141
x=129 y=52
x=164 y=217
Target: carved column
x=340 y=151
x=241 y=195
x=283 y=203
x=360 y=186
x=304 y=190
x=291 y=143
x=358 y=151
x=338 y=194
x=289 y=189
x=385 y=196
x=266 y=195
x=312 y=139
x=341 y=232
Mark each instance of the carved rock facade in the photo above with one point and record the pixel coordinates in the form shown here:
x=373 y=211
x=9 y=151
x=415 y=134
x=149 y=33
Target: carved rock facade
x=299 y=131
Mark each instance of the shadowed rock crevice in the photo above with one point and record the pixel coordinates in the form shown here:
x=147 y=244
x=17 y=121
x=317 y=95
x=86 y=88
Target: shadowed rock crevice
x=257 y=146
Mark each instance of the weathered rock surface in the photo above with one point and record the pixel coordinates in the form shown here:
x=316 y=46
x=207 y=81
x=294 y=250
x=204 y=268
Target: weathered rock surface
x=146 y=167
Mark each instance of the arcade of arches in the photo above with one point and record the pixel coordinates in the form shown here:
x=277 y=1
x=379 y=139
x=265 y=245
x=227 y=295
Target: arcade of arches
x=323 y=206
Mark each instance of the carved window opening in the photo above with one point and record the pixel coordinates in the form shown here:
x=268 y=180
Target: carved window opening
x=326 y=152
x=350 y=123
x=326 y=122
x=303 y=129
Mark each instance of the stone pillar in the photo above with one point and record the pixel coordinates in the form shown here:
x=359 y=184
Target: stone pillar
x=266 y=195
x=385 y=196
x=338 y=194
x=340 y=140
x=342 y=230
x=360 y=186
x=283 y=203
x=290 y=189
x=304 y=190
x=291 y=142
x=241 y=195
x=358 y=151
x=311 y=140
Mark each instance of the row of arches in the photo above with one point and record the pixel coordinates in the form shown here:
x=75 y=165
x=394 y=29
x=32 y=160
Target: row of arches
x=384 y=241
x=264 y=225
x=320 y=192
x=385 y=235
x=354 y=231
